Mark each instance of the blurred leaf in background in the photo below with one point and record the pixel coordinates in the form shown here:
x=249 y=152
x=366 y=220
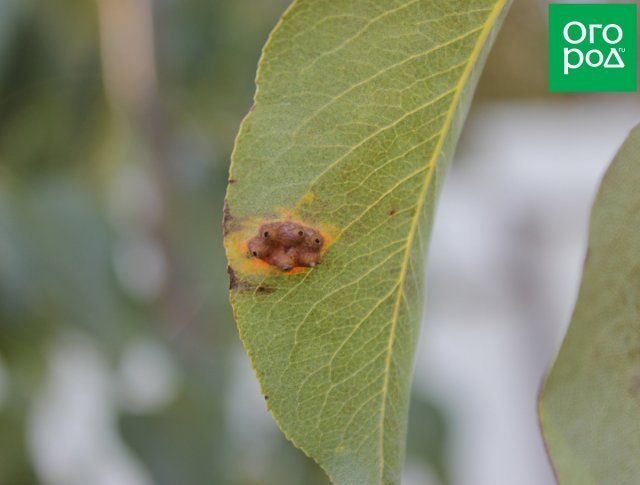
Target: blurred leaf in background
x=588 y=405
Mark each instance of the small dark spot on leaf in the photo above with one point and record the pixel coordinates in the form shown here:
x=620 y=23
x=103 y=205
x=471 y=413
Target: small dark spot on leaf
x=233 y=279
x=232 y=181
x=265 y=289
x=392 y=212
x=228 y=221
x=236 y=284
x=266 y=398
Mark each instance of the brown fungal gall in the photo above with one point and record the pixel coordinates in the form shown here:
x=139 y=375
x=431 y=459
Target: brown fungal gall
x=290 y=234
x=258 y=247
x=313 y=241
x=286 y=245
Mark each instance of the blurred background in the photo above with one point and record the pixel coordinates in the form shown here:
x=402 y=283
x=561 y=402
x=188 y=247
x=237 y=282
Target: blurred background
x=120 y=363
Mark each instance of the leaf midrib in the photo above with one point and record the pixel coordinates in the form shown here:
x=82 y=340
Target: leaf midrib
x=484 y=34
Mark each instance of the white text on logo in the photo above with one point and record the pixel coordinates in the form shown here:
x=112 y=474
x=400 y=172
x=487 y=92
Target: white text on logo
x=576 y=33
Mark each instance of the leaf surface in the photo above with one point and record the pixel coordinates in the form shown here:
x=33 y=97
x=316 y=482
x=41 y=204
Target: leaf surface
x=358 y=108
x=590 y=405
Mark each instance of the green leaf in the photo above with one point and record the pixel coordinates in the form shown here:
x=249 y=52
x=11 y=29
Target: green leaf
x=590 y=405
x=357 y=111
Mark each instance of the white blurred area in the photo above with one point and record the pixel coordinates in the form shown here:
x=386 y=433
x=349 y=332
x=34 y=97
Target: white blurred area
x=503 y=273
x=73 y=435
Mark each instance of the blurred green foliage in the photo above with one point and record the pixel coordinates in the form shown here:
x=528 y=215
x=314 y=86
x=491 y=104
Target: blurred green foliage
x=110 y=229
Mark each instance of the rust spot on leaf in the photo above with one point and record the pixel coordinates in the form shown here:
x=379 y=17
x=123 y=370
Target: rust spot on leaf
x=239 y=231
x=233 y=279
x=232 y=181
x=229 y=221
x=286 y=245
x=392 y=212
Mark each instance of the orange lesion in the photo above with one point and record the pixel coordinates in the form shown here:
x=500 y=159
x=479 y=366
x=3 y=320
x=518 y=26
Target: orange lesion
x=243 y=261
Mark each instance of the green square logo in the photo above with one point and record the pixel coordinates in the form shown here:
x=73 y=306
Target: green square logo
x=593 y=47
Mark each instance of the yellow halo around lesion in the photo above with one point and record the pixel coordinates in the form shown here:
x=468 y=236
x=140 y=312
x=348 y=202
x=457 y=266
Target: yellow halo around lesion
x=241 y=260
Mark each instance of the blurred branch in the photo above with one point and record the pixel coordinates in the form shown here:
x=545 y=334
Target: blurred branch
x=128 y=58
x=128 y=62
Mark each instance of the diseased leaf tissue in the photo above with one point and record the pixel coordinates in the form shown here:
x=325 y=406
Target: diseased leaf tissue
x=358 y=108
x=286 y=245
